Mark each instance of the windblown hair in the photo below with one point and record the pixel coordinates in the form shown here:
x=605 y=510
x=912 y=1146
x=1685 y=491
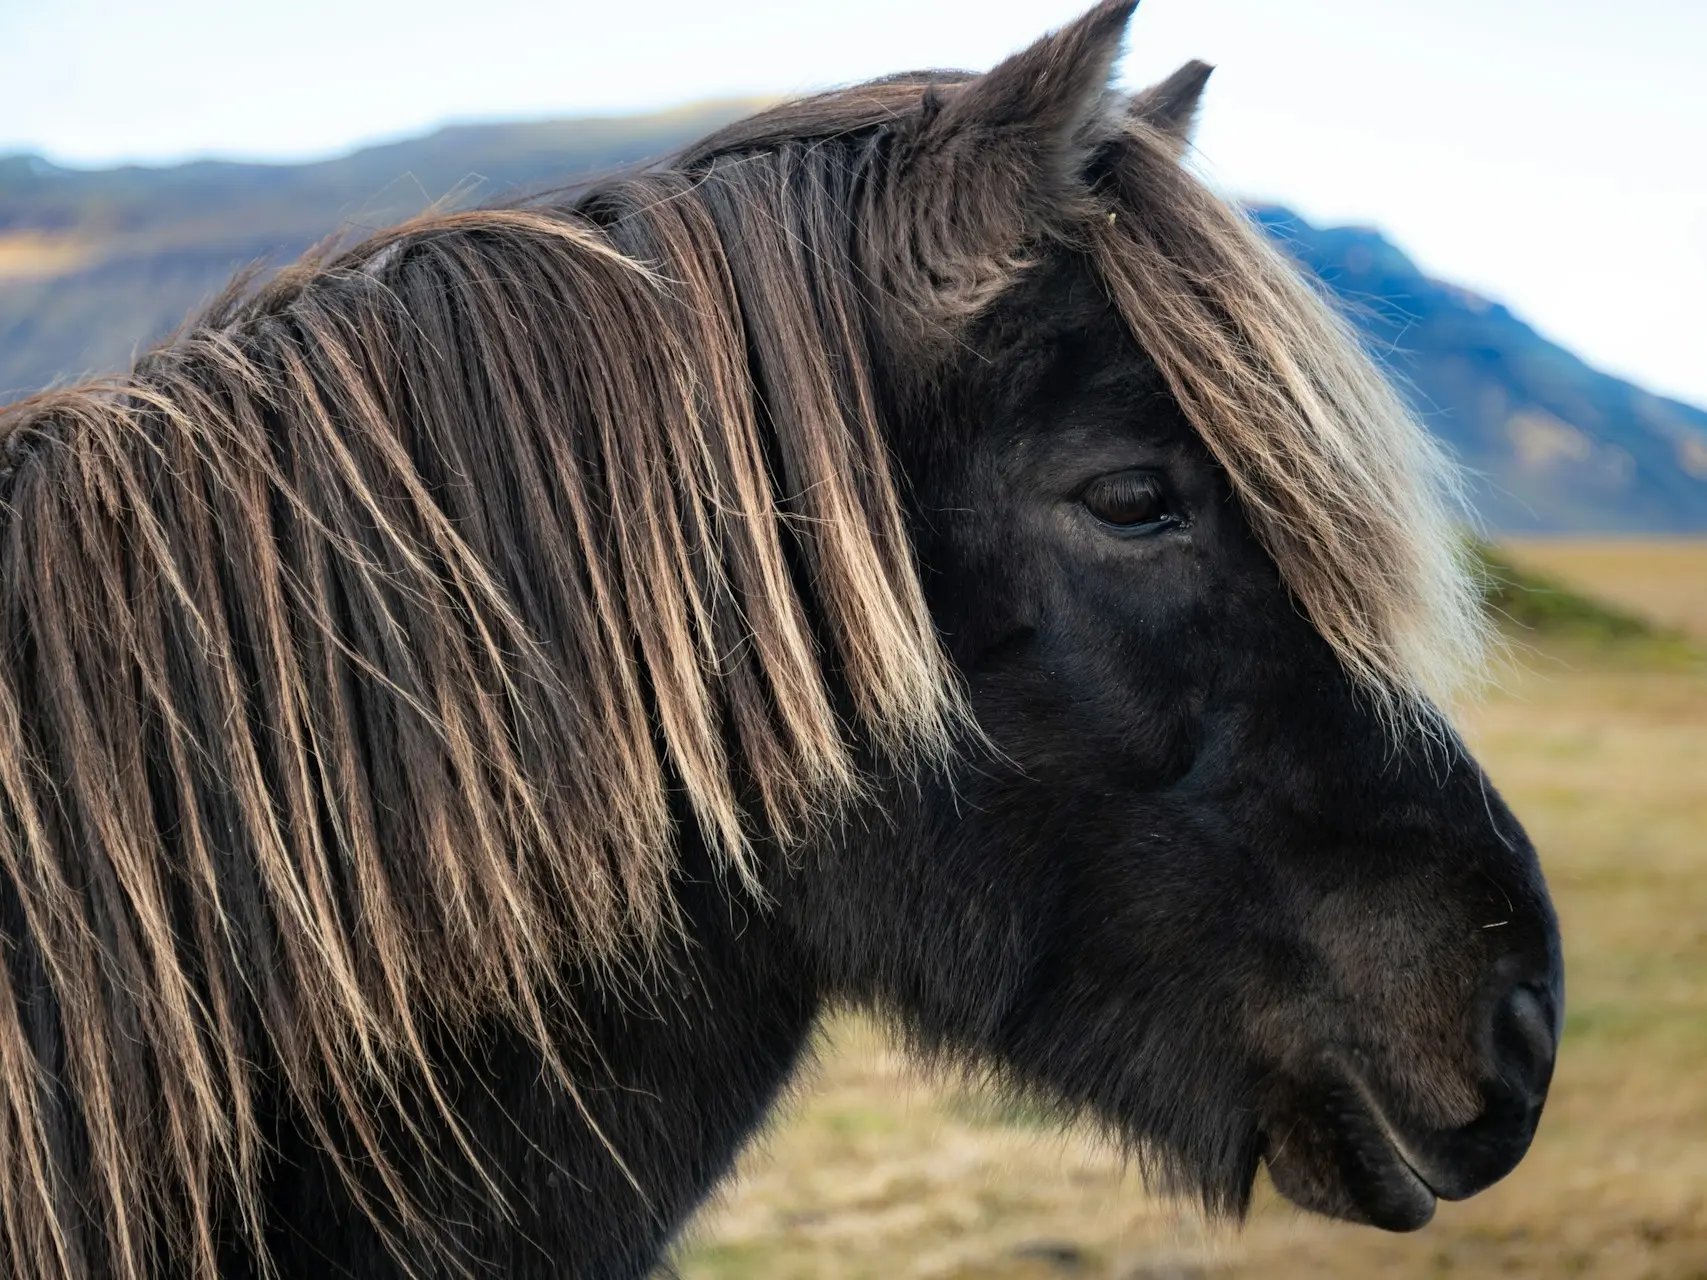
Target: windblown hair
x=368 y=645
x=1345 y=489
x=363 y=644
x=1349 y=493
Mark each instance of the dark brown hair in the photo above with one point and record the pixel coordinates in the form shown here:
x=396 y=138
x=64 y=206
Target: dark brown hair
x=366 y=644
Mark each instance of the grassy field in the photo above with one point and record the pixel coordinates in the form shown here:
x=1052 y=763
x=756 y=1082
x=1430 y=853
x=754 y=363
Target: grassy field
x=1665 y=579
x=876 y=1172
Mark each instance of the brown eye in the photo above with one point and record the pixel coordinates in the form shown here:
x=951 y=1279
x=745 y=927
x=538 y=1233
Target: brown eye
x=1131 y=501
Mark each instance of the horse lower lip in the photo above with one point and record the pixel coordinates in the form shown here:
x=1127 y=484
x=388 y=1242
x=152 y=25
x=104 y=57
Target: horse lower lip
x=1355 y=1176
x=1406 y=1212
x=1390 y=1139
x=1403 y=1160
x=1382 y=1180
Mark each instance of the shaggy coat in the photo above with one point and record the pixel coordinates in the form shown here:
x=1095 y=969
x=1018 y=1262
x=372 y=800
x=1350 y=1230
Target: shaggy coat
x=449 y=687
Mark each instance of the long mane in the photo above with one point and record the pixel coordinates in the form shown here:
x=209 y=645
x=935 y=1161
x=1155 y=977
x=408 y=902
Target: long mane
x=369 y=645
x=366 y=646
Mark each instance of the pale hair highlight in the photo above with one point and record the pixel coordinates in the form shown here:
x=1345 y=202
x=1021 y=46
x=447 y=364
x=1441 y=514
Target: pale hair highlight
x=367 y=647
x=1360 y=507
x=369 y=644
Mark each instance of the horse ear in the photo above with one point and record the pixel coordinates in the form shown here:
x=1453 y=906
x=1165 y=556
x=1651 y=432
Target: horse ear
x=1051 y=101
x=1171 y=106
x=995 y=164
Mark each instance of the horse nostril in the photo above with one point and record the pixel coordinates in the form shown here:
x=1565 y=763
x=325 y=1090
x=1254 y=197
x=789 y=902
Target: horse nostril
x=1524 y=1037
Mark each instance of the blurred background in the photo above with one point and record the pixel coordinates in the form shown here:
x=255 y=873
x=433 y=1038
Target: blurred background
x=1511 y=201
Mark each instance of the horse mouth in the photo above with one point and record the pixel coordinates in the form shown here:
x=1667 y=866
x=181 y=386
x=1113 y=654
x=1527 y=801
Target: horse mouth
x=1337 y=1153
x=1333 y=1144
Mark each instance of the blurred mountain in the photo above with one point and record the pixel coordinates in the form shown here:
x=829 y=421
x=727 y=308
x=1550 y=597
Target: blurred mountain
x=1552 y=445
x=95 y=263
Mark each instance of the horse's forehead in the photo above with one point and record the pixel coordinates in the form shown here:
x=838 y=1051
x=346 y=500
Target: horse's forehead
x=1055 y=337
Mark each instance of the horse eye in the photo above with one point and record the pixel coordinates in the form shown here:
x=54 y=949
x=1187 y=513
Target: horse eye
x=1131 y=501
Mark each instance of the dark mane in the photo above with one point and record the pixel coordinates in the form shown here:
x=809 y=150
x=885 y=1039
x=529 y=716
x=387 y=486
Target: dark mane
x=362 y=640
x=367 y=645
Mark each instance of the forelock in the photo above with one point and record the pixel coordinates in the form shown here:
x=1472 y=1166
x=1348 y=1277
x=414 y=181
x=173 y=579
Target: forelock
x=1357 y=504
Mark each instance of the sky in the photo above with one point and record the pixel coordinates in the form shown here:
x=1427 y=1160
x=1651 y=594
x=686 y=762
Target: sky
x=1551 y=154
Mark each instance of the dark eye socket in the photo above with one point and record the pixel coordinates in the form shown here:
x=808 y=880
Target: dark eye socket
x=1131 y=501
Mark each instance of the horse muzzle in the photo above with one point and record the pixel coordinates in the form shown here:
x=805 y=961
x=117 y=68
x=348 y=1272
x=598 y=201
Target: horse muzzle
x=1334 y=1144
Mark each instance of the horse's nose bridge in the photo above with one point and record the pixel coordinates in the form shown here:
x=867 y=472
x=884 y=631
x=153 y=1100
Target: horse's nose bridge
x=1503 y=880
x=1501 y=1020
x=1423 y=884
x=1411 y=879
x=1519 y=1011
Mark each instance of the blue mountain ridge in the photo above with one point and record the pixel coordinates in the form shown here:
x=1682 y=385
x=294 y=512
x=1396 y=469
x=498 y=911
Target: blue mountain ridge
x=96 y=263
x=1551 y=444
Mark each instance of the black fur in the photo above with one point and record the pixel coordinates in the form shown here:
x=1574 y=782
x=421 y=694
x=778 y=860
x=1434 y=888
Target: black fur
x=1198 y=891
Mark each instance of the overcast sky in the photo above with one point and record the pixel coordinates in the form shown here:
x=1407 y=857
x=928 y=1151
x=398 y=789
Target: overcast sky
x=1549 y=153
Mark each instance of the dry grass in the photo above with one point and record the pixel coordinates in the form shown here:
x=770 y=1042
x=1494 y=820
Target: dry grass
x=1664 y=578
x=879 y=1174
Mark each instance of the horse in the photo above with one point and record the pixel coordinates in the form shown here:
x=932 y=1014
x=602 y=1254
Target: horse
x=475 y=701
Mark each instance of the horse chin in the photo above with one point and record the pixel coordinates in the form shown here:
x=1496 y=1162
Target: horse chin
x=1377 y=1187
x=1333 y=1151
